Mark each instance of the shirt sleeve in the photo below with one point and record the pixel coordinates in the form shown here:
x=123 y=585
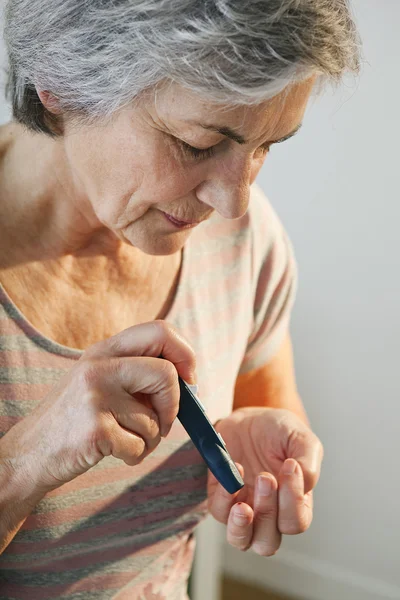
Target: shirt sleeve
x=274 y=283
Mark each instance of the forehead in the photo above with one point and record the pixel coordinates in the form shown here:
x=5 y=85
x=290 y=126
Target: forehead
x=272 y=118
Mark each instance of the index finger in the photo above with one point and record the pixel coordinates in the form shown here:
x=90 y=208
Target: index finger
x=220 y=501
x=154 y=338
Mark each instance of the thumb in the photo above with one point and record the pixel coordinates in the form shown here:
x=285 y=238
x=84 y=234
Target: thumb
x=306 y=448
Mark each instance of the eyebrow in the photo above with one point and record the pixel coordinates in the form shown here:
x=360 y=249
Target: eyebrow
x=236 y=137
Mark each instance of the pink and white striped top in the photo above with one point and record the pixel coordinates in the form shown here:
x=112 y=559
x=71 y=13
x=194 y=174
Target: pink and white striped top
x=119 y=532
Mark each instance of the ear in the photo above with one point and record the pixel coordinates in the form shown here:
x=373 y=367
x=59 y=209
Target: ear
x=49 y=101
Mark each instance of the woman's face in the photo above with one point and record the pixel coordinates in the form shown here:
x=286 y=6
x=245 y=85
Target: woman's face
x=136 y=166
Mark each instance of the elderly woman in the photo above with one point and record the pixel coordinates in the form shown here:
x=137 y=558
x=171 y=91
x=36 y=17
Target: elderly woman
x=130 y=229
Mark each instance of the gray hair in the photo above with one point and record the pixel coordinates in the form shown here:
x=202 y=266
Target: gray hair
x=97 y=56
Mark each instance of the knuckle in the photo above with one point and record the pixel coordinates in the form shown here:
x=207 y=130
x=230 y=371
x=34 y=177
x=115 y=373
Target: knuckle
x=320 y=447
x=153 y=424
x=165 y=329
x=114 y=345
x=169 y=331
x=266 y=514
x=137 y=452
x=89 y=371
x=312 y=439
x=101 y=438
x=95 y=349
x=133 y=459
x=151 y=439
x=169 y=385
x=316 y=442
x=169 y=372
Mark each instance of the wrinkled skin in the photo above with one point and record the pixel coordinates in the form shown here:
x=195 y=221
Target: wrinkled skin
x=272 y=442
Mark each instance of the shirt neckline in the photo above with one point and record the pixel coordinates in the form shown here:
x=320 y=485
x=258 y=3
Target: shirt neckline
x=54 y=347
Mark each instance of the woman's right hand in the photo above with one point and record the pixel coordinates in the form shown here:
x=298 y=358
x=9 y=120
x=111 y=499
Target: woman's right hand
x=118 y=399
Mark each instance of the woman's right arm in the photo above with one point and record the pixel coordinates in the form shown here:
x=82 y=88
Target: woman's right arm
x=119 y=399
x=18 y=498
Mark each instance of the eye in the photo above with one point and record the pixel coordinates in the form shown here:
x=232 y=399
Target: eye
x=196 y=152
x=203 y=153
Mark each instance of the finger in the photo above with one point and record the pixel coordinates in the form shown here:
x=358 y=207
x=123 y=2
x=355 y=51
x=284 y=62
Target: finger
x=295 y=510
x=136 y=418
x=222 y=501
x=307 y=450
x=240 y=526
x=153 y=338
x=121 y=444
x=155 y=377
x=266 y=536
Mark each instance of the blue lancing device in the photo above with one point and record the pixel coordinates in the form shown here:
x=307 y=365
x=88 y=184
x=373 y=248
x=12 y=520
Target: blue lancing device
x=208 y=442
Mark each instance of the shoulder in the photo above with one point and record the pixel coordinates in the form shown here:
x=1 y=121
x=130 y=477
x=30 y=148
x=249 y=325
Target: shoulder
x=271 y=246
x=258 y=232
x=264 y=220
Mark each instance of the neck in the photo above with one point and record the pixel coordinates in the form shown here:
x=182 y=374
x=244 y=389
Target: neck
x=47 y=225
x=46 y=215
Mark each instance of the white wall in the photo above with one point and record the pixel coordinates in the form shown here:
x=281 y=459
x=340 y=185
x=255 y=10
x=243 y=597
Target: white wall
x=337 y=189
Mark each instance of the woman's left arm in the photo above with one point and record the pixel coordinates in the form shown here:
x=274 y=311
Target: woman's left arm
x=269 y=437
x=273 y=385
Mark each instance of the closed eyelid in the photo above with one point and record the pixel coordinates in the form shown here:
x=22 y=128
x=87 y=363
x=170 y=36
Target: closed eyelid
x=208 y=152
x=238 y=138
x=288 y=136
x=270 y=142
x=284 y=138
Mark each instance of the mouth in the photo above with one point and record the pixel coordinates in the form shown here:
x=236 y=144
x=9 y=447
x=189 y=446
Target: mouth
x=178 y=223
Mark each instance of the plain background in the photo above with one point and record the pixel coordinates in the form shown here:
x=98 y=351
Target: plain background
x=336 y=188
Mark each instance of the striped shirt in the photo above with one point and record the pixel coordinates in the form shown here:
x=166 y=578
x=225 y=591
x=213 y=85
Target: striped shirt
x=119 y=532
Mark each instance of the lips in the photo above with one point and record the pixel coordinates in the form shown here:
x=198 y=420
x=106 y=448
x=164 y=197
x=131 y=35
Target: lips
x=179 y=222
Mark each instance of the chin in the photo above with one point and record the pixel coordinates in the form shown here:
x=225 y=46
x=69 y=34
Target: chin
x=154 y=244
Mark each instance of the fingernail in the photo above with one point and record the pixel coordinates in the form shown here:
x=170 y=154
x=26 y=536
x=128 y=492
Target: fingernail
x=264 y=485
x=239 y=518
x=289 y=467
x=194 y=388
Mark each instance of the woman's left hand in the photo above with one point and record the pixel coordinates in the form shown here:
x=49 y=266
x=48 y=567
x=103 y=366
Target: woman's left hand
x=277 y=445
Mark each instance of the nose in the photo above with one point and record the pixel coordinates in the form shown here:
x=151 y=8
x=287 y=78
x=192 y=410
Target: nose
x=226 y=186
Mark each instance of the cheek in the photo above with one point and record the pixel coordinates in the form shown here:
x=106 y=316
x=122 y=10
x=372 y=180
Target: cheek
x=123 y=181
x=256 y=165
x=169 y=179
x=108 y=175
